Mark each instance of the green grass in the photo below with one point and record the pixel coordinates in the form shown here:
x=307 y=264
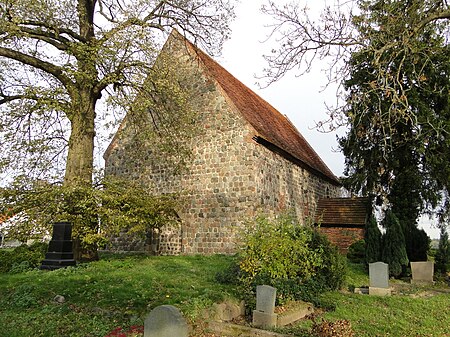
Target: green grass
x=103 y=295
x=410 y=311
x=120 y=291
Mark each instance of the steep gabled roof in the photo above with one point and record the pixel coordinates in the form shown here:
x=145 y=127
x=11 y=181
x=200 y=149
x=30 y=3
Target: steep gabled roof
x=271 y=125
x=342 y=211
x=275 y=131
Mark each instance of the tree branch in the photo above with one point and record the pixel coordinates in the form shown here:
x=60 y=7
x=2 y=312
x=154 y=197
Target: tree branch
x=438 y=15
x=59 y=42
x=58 y=31
x=37 y=63
x=7 y=99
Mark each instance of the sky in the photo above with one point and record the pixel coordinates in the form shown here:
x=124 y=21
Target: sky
x=302 y=99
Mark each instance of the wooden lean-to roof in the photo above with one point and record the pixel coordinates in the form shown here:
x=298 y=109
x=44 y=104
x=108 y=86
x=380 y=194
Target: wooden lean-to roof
x=274 y=129
x=351 y=212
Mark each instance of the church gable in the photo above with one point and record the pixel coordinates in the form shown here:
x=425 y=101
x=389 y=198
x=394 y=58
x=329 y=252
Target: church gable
x=233 y=174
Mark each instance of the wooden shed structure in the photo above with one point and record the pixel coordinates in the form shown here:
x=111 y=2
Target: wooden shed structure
x=342 y=220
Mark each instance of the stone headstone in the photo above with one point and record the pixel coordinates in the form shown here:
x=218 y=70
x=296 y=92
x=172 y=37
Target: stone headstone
x=422 y=272
x=165 y=321
x=379 y=279
x=264 y=315
x=60 y=251
x=379 y=275
x=265 y=299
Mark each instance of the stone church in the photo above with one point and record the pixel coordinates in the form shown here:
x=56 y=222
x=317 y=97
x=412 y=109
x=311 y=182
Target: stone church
x=250 y=159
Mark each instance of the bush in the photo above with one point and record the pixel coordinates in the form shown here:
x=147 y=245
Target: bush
x=394 y=249
x=22 y=258
x=297 y=260
x=357 y=252
x=231 y=274
x=373 y=241
x=443 y=253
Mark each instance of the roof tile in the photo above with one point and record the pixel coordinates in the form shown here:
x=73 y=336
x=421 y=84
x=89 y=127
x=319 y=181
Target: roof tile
x=342 y=211
x=265 y=119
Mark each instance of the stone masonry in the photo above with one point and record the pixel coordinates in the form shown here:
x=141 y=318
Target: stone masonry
x=231 y=177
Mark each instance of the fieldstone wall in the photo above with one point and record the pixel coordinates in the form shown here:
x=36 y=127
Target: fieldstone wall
x=230 y=178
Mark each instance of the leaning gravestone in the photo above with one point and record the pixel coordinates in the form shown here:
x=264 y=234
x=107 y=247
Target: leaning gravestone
x=264 y=315
x=379 y=279
x=165 y=321
x=422 y=272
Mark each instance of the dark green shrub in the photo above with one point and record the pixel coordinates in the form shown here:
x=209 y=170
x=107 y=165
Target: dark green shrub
x=373 y=241
x=231 y=274
x=357 y=252
x=443 y=253
x=22 y=258
x=417 y=244
x=394 y=250
x=334 y=265
x=297 y=260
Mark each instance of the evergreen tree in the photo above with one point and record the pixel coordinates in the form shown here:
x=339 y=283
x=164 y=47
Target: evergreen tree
x=417 y=244
x=405 y=200
x=391 y=59
x=373 y=241
x=394 y=250
x=443 y=254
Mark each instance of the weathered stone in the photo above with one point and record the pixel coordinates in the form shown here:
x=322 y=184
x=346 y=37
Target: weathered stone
x=264 y=315
x=231 y=177
x=227 y=311
x=59 y=299
x=299 y=311
x=165 y=321
x=374 y=291
x=422 y=272
x=264 y=320
x=265 y=298
x=378 y=275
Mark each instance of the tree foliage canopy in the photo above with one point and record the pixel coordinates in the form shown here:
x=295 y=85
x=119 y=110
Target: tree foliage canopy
x=59 y=58
x=109 y=207
x=70 y=69
x=390 y=58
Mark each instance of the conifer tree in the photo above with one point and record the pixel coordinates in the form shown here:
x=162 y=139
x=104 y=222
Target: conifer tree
x=394 y=250
x=373 y=241
x=443 y=254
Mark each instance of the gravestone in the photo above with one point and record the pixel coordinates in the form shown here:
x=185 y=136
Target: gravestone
x=165 y=321
x=264 y=315
x=60 y=251
x=379 y=279
x=422 y=272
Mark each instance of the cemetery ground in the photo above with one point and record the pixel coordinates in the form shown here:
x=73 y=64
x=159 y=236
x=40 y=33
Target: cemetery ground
x=118 y=291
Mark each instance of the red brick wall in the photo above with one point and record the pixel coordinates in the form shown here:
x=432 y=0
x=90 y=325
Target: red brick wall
x=343 y=237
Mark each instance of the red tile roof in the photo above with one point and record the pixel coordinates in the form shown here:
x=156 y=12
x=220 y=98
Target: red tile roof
x=265 y=119
x=342 y=211
x=271 y=125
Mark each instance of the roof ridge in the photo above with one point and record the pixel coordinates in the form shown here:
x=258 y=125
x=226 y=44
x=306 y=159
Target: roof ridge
x=271 y=125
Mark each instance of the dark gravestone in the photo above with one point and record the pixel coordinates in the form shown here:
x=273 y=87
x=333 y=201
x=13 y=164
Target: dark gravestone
x=60 y=252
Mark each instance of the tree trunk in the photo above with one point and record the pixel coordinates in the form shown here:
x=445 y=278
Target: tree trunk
x=80 y=161
x=80 y=157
